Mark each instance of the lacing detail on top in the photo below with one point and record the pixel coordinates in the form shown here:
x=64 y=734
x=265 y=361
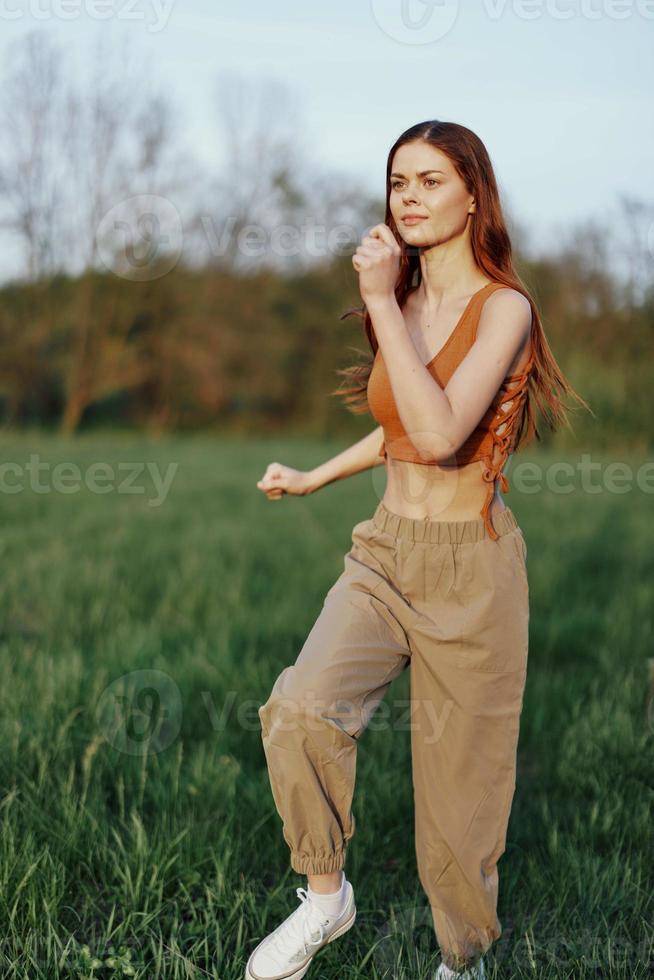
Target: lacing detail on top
x=291 y=939
x=503 y=440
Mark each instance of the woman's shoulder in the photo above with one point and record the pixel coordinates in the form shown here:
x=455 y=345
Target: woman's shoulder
x=507 y=299
x=507 y=311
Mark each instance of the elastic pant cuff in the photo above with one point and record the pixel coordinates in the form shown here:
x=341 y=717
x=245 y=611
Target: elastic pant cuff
x=312 y=865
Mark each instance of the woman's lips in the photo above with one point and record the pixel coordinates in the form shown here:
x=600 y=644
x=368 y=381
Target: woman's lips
x=412 y=221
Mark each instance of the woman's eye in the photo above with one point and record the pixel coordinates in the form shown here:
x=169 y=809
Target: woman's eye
x=396 y=185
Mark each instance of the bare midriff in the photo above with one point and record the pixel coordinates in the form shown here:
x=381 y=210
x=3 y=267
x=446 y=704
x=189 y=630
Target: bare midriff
x=422 y=490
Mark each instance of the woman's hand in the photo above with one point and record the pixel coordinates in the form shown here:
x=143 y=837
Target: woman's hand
x=377 y=260
x=279 y=479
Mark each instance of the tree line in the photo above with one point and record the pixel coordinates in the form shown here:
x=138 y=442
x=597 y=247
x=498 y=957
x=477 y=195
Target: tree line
x=149 y=293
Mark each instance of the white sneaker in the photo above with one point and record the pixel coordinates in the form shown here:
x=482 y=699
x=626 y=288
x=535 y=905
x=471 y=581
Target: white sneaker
x=473 y=973
x=286 y=953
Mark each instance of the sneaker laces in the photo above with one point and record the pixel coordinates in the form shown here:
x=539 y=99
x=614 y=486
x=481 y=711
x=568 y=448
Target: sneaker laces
x=294 y=930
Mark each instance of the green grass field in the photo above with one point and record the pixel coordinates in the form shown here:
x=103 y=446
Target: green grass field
x=142 y=630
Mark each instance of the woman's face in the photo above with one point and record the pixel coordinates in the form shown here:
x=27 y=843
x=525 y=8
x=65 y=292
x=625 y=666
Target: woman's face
x=425 y=183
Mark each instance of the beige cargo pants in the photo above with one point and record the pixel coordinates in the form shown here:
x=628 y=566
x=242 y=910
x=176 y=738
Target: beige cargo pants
x=446 y=600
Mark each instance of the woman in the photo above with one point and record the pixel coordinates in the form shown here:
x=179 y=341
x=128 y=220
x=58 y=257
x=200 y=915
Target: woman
x=436 y=579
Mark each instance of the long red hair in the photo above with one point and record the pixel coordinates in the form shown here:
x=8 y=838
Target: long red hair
x=492 y=252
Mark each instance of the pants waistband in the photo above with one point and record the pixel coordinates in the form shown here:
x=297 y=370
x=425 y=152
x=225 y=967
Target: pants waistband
x=435 y=531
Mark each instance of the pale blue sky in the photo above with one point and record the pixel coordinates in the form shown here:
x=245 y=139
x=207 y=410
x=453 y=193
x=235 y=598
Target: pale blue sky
x=560 y=91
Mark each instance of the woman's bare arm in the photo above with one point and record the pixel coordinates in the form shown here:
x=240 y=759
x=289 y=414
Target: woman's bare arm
x=279 y=479
x=356 y=458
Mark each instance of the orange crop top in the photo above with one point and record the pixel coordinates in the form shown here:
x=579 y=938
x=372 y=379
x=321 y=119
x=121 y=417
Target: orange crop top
x=495 y=431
